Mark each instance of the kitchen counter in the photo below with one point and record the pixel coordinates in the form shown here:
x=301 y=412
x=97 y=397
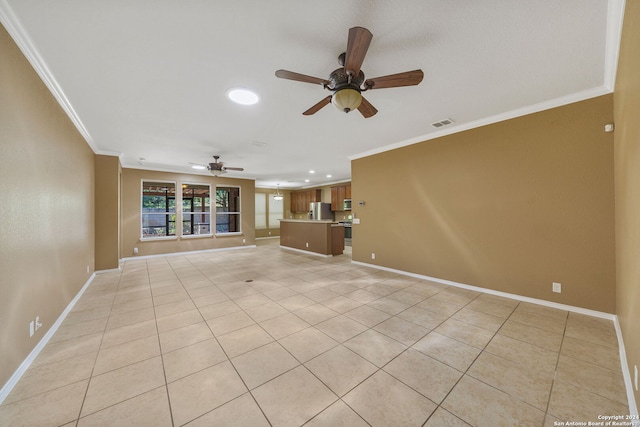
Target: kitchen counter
x=324 y=237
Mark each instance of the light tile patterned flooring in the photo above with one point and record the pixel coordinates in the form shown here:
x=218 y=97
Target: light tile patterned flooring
x=266 y=336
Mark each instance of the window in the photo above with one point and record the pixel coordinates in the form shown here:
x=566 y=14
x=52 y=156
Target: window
x=261 y=211
x=276 y=211
x=158 y=209
x=227 y=210
x=196 y=209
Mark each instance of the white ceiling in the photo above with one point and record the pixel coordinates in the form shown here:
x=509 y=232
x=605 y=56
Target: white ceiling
x=147 y=78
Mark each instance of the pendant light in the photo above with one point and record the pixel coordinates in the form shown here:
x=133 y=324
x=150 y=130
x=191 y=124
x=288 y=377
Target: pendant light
x=278 y=196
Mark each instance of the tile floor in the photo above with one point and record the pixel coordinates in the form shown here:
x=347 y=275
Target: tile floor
x=266 y=336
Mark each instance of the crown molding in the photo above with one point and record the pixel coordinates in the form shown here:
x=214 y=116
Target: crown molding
x=615 y=18
x=530 y=109
x=20 y=36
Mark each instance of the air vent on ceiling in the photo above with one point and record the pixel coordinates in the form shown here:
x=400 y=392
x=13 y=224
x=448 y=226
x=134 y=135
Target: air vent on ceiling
x=442 y=123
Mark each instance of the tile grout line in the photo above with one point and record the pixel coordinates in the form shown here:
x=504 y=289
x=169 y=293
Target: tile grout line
x=86 y=392
x=555 y=370
x=155 y=318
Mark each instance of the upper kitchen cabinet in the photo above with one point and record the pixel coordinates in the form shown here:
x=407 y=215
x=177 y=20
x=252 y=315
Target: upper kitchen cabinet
x=300 y=199
x=338 y=194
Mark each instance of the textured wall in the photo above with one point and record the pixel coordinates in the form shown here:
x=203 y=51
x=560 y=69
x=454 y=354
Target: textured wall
x=47 y=209
x=512 y=206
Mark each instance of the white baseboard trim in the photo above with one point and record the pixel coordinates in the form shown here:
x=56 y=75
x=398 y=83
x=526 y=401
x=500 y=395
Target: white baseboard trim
x=551 y=304
x=111 y=270
x=8 y=386
x=232 y=248
x=305 y=252
x=633 y=410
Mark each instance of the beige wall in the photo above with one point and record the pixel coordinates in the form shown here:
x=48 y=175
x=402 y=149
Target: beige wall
x=47 y=236
x=627 y=178
x=107 y=196
x=131 y=202
x=512 y=206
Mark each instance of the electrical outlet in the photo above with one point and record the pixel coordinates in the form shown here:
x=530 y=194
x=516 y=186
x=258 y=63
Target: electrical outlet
x=556 y=287
x=635 y=376
x=38 y=324
x=32 y=329
x=87 y=269
x=245 y=240
x=307 y=244
x=373 y=256
x=135 y=251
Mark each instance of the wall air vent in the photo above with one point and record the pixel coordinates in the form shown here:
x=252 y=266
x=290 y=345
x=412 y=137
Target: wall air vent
x=442 y=123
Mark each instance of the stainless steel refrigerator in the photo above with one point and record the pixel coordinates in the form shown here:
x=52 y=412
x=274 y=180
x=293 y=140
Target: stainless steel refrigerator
x=318 y=210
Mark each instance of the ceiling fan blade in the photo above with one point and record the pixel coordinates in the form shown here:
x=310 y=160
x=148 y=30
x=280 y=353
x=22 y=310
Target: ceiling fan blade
x=232 y=169
x=408 y=78
x=357 y=46
x=290 y=75
x=318 y=106
x=366 y=109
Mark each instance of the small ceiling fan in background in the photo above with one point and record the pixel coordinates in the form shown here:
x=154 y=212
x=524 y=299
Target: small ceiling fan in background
x=216 y=168
x=348 y=83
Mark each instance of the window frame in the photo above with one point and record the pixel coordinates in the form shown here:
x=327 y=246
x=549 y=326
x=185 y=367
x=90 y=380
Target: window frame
x=274 y=223
x=263 y=210
x=238 y=212
x=194 y=213
x=167 y=213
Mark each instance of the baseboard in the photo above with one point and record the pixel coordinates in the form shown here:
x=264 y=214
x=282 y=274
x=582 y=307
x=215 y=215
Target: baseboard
x=110 y=270
x=628 y=383
x=633 y=410
x=305 y=252
x=537 y=301
x=13 y=380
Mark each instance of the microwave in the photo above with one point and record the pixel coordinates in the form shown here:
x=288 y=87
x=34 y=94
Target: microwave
x=347 y=205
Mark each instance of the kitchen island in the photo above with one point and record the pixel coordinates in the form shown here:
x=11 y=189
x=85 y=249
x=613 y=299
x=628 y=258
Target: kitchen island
x=324 y=237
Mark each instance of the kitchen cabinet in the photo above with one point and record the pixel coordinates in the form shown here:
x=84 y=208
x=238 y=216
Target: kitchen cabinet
x=334 y=198
x=338 y=194
x=300 y=199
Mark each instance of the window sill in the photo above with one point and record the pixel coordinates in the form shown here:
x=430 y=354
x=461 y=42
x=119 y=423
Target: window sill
x=155 y=239
x=229 y=234
x=197 y=236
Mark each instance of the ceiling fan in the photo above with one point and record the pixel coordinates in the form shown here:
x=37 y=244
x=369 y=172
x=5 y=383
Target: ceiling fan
x=216 y=167
x=348 y=82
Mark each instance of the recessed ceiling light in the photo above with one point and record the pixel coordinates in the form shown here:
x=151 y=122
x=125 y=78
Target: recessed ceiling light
x=306 y=180
x=243 y=96
x=198 y=167
x=328 y=176
x=312 y=171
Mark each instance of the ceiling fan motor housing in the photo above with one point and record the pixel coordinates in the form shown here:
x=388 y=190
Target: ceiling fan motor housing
x=339 y=79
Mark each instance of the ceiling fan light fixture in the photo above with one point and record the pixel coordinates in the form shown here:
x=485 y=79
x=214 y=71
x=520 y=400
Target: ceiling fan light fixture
x=243 y=96
x=347 y=99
